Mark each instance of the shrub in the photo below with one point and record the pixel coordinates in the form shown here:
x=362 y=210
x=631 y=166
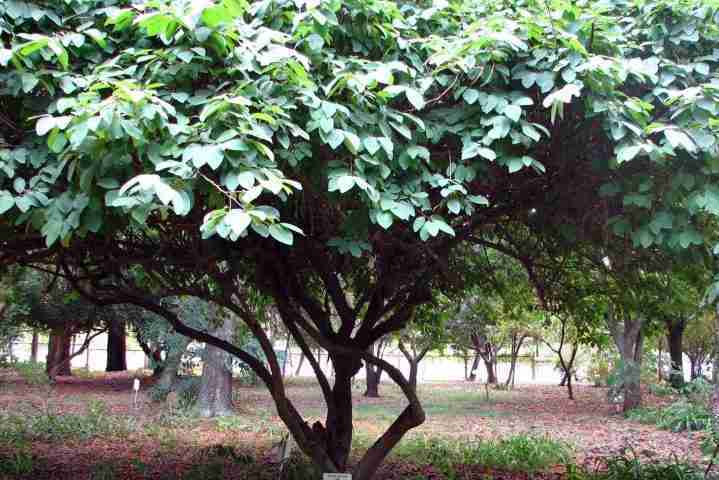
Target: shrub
x=682 y=415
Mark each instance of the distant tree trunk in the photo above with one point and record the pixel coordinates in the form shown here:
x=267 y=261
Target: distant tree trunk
x=215 y=397
x=34 y=346
x=373 y=374
x=173 y=359
x=287 y=355
x=116 y=347
x=490 y=364
x=475 y=365
x=299 y=365
x=465 y=357
x=58 y=351
x=517 y=341
x=629 y=340
x=675 y=332
x=413 y=358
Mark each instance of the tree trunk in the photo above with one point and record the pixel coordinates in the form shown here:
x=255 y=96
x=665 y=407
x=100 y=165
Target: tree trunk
x=215 y=397
x=116 y=347
x=372 y=375
x=490 y=363
x=287 y=355
x=675 y=331
x=632 y=369
x=339 y=428
x=299 y=364
x=168 y=375
x=475 y=364
x=413 y=370
x=58 y=351
x=34 y=346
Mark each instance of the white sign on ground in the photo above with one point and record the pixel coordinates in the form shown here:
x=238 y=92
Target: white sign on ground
x=337 y=476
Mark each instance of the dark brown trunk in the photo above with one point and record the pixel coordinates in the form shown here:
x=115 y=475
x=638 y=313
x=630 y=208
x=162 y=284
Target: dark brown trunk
x=413 y=369
x=215 y=397
x=34 y=346
x=675 y=331
x=339 y=426
x=58 y=351
x=116 y=347
x=372 y=381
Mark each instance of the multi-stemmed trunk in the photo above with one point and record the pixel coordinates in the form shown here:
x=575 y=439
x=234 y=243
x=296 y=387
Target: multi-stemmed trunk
x=215 y=397
x=414 y=356
x=116 y=347
x=517 y=342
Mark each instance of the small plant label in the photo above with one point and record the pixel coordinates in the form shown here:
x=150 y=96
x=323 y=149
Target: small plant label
x=136 y=385
x=337 y=476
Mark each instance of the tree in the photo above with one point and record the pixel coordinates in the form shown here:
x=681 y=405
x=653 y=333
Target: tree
x=425 y=332
x=700 y=341
x=334 y=156
x=373 y=373
x=215 y=398
x=116 y=347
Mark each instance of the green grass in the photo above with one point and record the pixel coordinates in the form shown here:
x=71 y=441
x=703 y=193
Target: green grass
x=518 y=453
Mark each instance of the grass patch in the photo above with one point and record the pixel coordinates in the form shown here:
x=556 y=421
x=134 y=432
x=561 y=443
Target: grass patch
x=679 y=416
x=518 y=453
x=53 y=426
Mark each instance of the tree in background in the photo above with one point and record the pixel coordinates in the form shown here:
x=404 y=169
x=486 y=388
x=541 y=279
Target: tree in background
x=425 y=332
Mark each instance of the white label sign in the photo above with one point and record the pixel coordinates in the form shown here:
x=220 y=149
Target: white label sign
x=337 y=476
x=136 y=385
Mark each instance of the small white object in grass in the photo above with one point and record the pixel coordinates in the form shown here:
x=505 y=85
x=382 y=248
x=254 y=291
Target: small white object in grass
x=337 y=476
x=136 y=384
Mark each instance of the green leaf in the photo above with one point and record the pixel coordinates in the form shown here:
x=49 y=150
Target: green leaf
x=385 y=219
x=281 y=234
x=238 y=221
x=345 y=183
x=7 y=201
x=415 y=98
x=678 y=138
x=514 y=112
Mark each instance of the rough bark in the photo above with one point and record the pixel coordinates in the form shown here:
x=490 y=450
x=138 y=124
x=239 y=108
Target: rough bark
x=675 y=332
x=215 y=397
x=58 y=351
x=116 y=347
